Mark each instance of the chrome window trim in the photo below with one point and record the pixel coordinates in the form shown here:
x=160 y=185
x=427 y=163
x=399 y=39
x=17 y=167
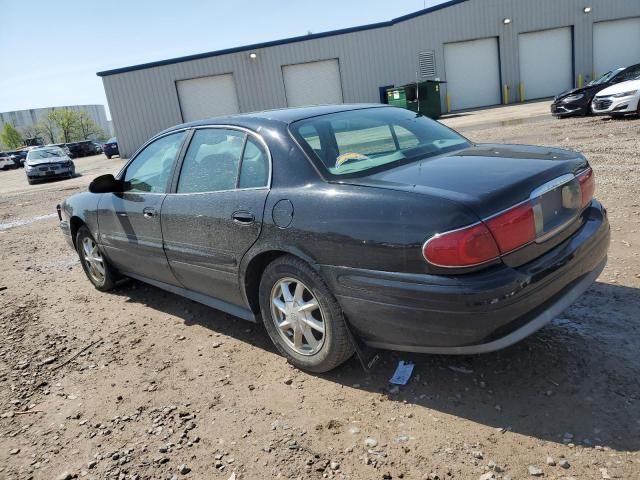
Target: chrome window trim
x=248 y=132
x=144 y=145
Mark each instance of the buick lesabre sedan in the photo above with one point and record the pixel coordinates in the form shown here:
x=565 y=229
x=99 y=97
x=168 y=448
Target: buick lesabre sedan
x=350 y=225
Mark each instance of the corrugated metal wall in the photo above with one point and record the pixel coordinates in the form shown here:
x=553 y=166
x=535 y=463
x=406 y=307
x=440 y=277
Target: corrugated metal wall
x=143 y=102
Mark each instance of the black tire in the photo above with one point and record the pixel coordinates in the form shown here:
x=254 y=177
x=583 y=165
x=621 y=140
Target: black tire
x=109 y=157
x=31 y=182
x=336 y=346
x=109 y=278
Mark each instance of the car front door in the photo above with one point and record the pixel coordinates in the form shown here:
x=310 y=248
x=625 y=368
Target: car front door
x=215 y=214
x=129 y=221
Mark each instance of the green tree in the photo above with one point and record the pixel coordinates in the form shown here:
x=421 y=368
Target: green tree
x=66 y=122
x=47 y=129
x=87 y=127
x=10 y=136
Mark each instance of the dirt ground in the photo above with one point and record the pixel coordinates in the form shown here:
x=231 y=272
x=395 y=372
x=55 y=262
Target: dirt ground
x=141 y=384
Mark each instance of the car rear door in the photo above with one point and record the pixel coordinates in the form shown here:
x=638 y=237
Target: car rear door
x=215 y=214
x=129 y=221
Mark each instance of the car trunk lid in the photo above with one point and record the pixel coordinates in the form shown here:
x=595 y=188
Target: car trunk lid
x=490 y=179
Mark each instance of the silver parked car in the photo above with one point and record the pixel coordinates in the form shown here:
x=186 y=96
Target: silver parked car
x=48 y=162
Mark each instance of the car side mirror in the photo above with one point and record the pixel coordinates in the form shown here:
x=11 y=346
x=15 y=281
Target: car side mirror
x=106 y=184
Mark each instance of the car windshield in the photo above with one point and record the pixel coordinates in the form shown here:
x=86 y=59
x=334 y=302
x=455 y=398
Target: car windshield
x=112 y=140
x=606 y=77
x=360 y=142
x=45 y=153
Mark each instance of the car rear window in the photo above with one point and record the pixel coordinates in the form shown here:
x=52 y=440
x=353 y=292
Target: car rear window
x=361 y=142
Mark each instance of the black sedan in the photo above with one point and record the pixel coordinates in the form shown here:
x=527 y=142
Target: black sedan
x=578 y=100
x=110 y=147
x=18 y=157
x=351 y=225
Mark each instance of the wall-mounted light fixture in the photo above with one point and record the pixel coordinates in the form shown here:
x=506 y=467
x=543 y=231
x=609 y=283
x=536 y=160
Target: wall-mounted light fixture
x=506 y=21
x=253 y=55
x=586 y=9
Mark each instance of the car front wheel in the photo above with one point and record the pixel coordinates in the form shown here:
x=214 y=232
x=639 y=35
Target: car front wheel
x=302 y=316
x=94 y=264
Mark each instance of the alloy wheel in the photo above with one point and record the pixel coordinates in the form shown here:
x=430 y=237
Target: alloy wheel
x=297 y=316
x=93 y=260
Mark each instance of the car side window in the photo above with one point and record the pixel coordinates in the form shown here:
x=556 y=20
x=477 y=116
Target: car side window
x=151 y=170
x=254 y=171
x=212 y=161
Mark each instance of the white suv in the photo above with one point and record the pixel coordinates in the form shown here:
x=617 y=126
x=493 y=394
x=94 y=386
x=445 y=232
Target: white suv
x=6 y=162
x=619 y=99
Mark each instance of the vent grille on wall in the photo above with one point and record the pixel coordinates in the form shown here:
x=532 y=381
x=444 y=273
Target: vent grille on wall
x=427 y=64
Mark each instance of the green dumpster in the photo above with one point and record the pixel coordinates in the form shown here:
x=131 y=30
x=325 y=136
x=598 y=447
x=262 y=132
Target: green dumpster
x=420 y=97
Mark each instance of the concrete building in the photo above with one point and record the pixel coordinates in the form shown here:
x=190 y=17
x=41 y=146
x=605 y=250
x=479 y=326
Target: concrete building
x=488 y=51
x=24 y=119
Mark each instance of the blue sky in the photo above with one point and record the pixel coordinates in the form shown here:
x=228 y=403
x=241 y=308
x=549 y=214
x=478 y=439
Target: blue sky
x=50 y=51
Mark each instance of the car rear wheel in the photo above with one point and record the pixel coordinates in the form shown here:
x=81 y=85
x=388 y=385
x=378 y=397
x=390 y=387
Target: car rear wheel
x=302 y=316
x=109 y=157
x=94 y=264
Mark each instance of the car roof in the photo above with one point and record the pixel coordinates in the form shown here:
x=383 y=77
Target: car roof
x=281 y=115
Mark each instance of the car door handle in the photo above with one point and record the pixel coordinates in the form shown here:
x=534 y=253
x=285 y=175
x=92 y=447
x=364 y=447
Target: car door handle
x=244 y=218
x=149 y=212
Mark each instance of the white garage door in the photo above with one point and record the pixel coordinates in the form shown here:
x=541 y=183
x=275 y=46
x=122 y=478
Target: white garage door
x=615 y=44
x=472 y=73
x=313 y=83
x=207 y=97
x=546 y=62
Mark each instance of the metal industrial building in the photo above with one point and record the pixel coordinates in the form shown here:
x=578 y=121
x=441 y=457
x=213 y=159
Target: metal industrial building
x=487 y=51
x=25 y=119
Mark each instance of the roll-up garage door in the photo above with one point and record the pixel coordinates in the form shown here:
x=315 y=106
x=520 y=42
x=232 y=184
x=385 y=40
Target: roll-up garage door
x=472 y=73
x=207 y=97
x=546 y=62
x=312 y=83
x=615 y=44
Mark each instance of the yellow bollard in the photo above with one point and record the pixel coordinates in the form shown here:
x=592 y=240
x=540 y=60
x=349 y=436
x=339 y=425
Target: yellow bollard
x=505 y=94
x=522 y=91
x=448 y=103
x=580 y=80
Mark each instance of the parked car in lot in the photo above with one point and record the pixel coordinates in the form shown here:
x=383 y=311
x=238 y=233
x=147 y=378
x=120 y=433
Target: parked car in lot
x=617 y=100
x=577 y=101
x=83 y=149
x=64 y=148
x=48 y=162
x=97 y=147
x=6 y=162
x=18 y=157
x=327 y=220
x=110 y=147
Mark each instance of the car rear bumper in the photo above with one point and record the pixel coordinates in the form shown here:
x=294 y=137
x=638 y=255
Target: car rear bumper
x=472 y=313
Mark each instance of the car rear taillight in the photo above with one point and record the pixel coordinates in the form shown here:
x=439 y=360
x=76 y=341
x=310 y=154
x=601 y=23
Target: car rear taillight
x=547 y=211
x=514 y=228
x=587 y=182
x=483 y=242
x=464 y=247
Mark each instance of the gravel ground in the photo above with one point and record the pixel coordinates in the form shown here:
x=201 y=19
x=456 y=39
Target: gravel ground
x=140 y=383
